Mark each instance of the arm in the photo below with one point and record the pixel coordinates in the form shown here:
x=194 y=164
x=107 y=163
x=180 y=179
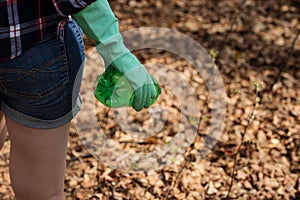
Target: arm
x=100 y=24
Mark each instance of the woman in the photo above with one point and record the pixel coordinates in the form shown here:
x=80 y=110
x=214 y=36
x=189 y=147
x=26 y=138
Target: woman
x=41 y=64
x=38 y=69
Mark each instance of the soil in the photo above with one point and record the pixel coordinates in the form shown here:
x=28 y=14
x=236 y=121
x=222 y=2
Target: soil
x=256 y=48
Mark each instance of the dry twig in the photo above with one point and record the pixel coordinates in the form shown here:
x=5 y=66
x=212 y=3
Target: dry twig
x=251 y=117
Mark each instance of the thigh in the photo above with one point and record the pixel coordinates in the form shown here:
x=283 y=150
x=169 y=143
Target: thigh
x=40 y=88
x=37 y=160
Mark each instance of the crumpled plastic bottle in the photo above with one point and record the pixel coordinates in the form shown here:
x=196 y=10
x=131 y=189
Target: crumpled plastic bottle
x=114 y=90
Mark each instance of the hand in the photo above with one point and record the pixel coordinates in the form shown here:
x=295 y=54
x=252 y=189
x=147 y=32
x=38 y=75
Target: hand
x=114 y=90
x=140 y=80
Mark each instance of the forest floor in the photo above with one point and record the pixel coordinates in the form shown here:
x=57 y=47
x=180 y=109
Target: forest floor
x=256 y=48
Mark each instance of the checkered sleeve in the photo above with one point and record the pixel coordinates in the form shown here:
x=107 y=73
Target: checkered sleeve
x=68 y=7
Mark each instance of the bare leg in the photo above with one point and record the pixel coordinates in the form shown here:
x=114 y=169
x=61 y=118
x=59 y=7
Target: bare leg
x=3 y=130
x=37 y=161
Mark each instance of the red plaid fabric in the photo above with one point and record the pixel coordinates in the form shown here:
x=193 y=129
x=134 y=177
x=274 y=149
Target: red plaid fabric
x=23 y=23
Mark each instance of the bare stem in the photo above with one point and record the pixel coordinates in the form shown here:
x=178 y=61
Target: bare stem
x=251 y=117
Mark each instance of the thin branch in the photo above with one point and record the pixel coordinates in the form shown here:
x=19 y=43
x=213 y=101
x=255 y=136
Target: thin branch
x=173 y=184
x=251 y=117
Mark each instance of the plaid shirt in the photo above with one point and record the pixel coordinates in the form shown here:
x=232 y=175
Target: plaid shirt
x=25 y=22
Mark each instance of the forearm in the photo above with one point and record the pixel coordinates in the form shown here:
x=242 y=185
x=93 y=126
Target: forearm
x=101 y=25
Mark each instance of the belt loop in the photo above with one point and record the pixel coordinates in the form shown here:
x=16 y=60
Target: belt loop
x=61 y=27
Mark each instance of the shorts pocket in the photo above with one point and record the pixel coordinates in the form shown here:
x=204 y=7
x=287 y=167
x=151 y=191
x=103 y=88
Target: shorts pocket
x=39 y=71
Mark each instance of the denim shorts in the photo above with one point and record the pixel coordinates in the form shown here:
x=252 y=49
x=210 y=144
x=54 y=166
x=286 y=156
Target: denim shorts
x=40 y=88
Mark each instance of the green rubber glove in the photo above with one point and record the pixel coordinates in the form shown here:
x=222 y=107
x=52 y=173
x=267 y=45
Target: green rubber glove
x=100 y=24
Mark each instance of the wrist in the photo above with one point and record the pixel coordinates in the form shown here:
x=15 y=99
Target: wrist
x=112 y=49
